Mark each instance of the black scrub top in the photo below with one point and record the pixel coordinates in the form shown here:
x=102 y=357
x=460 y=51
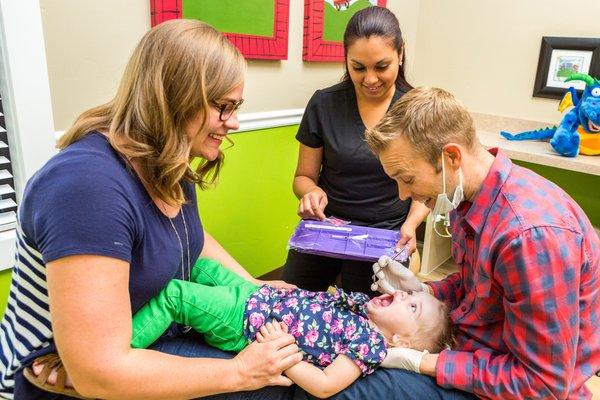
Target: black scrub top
x=357 y=187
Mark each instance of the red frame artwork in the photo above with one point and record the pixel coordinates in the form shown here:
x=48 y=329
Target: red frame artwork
x=252 y=46
x=315 y=48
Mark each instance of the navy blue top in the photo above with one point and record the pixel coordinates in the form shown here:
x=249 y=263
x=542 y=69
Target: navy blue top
x=357 y=187
x=86 y=201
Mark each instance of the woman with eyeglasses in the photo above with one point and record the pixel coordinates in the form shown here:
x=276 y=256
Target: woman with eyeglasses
x=112 y=218
x=337 y=175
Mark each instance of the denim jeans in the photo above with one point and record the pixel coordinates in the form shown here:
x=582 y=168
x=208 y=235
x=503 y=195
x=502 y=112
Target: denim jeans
x=394 y=384
x=192 y=344
x=388 y=384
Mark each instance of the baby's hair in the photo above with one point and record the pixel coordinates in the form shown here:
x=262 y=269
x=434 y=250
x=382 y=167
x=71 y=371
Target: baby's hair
x=436 y=336
x=444 y=337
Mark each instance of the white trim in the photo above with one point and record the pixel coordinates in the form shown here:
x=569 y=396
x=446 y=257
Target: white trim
x=256 y=121
x=7 y=249
x=269 y=119
x=25 y=88
x=25 y=98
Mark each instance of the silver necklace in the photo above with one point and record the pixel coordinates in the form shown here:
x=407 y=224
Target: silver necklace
x=187 y=243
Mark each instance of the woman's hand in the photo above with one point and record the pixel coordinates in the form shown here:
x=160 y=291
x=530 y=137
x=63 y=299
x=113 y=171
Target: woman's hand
x=418 y=213
x=408 y=238
x=312 y=204
x=262 y=364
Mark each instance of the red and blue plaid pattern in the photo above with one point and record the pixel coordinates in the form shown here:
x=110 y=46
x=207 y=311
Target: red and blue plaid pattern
x=525 y=302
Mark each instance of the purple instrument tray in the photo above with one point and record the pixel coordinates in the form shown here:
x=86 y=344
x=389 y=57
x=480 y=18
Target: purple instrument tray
x=349 y=242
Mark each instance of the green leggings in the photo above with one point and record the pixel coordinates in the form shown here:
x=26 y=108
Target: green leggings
x=213 y=303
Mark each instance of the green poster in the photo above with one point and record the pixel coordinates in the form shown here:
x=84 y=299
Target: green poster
x=249 y=17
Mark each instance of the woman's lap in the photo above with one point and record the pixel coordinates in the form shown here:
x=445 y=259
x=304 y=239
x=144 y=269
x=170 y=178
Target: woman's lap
x=392 y=384
x=193 y=345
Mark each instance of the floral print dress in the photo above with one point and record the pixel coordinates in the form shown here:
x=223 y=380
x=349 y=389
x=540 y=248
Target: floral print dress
x=324 y=324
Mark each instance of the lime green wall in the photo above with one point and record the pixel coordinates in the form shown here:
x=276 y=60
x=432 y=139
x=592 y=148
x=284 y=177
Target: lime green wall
x=584 y=188
x=4 y=287
x=252 y=211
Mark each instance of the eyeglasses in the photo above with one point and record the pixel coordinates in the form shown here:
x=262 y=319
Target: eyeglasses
x=226 y=110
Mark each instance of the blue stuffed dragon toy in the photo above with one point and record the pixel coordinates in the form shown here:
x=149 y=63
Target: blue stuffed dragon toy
x=579 y=130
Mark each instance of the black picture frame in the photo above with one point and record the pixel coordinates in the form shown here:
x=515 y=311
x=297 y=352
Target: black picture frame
x=551 y=43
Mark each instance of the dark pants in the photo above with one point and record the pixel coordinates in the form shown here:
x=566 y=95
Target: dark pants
x=316 y=273
x=394 y=384
x=388 y=384
x=193 y=345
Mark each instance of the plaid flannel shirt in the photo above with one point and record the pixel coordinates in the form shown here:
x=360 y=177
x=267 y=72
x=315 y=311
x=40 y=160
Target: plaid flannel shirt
x=525 y=302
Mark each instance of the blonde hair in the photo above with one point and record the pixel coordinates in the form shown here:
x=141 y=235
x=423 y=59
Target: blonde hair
x=437 y=336
x=428 y=118
x=434 y=336
x=177 y=69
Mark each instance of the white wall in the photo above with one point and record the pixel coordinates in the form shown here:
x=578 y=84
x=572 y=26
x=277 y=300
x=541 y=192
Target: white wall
x=26 y=99
x=87 y=46
x=486 y=51
x=89 y=42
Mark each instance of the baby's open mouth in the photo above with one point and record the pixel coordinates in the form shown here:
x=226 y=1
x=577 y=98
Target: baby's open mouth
x=383 y=300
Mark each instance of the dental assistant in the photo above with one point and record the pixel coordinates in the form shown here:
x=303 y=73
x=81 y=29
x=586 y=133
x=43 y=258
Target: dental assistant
x=525 y=300
x=336 y=174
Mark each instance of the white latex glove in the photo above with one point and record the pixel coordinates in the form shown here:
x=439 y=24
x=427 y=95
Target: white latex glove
x=390 y=275
x=405 y=358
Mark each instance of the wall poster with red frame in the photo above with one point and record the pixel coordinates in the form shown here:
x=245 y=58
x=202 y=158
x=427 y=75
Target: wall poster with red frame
x=259 y=28
x=324 y=25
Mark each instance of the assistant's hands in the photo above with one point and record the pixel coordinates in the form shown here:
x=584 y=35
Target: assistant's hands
x=262 y=364
x=312 y=204
x=392 y=275
x=408 y=238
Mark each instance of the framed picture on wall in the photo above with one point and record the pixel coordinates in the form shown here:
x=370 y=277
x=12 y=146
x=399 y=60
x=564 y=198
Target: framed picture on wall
x=561 y=57
x=259 y=28
x=324 y=25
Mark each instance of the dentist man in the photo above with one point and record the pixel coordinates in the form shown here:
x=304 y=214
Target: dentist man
x=525 y=300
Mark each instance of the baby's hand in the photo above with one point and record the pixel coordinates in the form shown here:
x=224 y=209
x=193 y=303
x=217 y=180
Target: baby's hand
x=271 y=331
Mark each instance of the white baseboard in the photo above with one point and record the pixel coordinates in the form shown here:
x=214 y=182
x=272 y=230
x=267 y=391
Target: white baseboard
x=269 y=119
x=7 y=249
x=258 y=120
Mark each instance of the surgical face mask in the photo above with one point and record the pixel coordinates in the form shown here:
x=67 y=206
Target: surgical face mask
x=443 y=205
